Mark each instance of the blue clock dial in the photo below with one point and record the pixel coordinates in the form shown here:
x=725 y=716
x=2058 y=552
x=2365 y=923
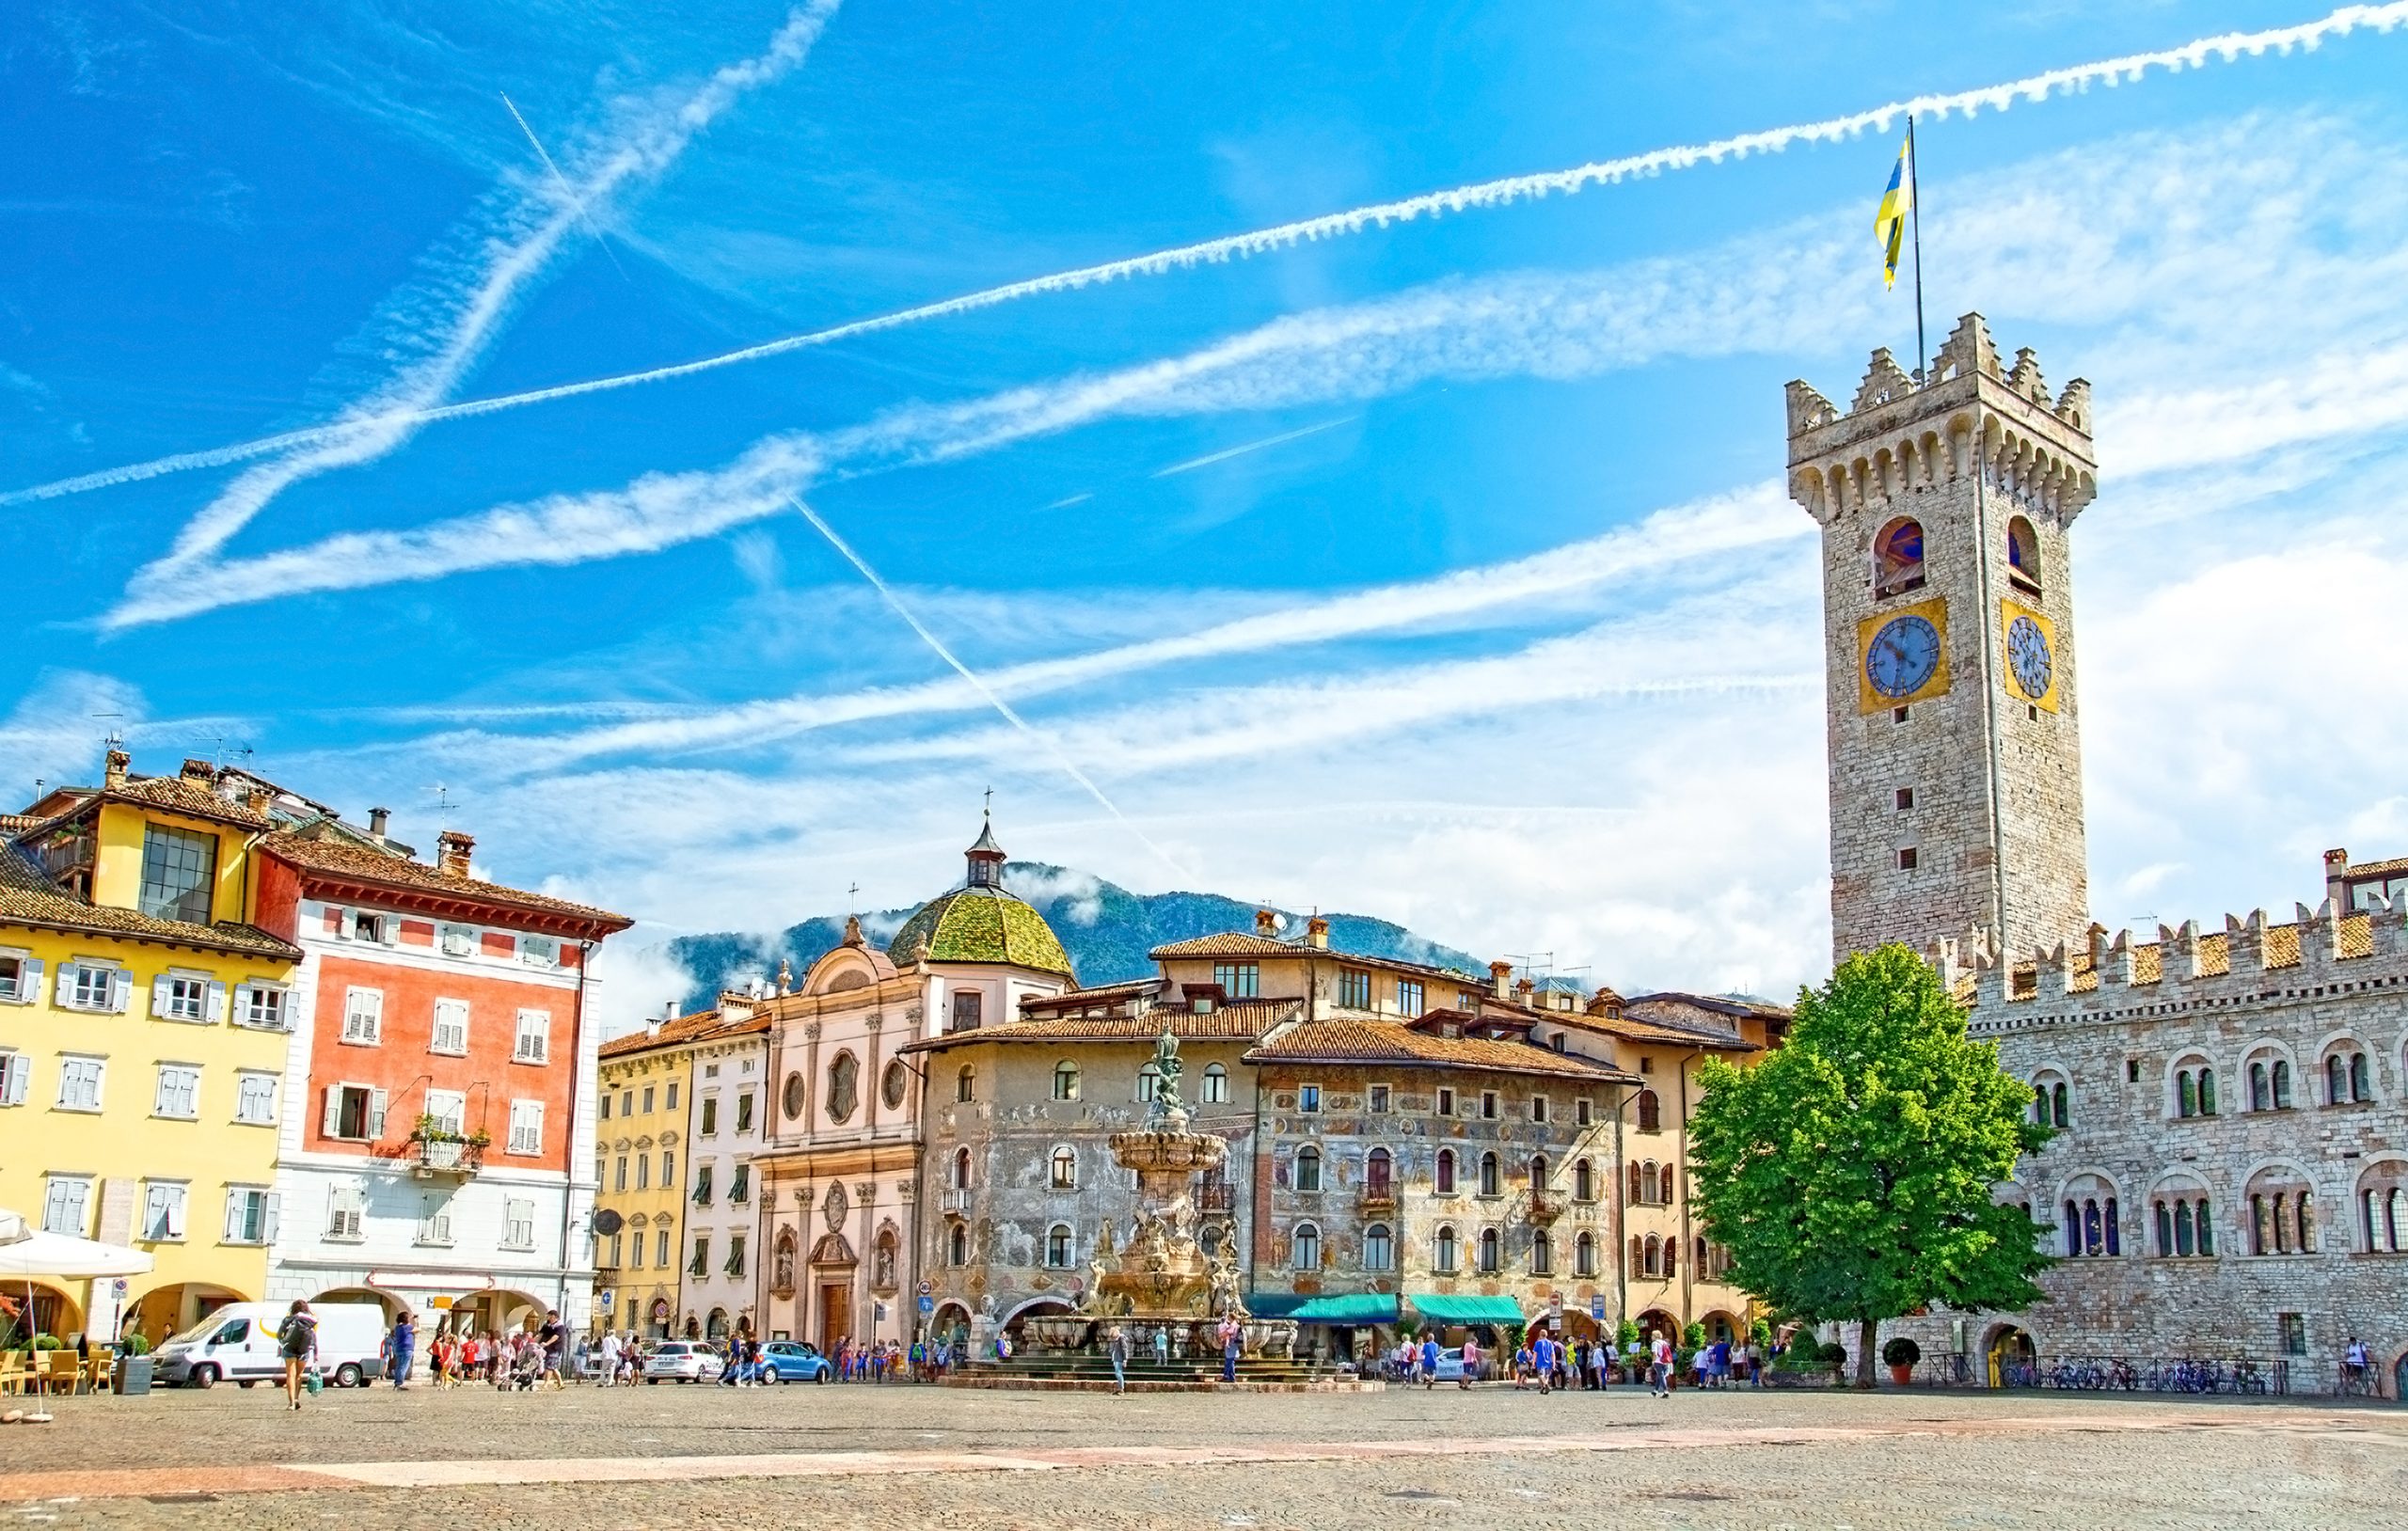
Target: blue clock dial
x=1904 y=657
x=2028 y=656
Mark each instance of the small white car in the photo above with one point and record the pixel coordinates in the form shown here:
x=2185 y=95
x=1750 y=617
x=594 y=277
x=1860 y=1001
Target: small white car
x=683 y=1361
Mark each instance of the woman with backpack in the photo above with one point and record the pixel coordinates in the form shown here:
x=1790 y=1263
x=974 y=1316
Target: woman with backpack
x=296 y=1339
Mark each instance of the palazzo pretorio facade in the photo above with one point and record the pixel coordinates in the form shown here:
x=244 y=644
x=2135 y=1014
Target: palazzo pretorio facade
x=2229 y=1173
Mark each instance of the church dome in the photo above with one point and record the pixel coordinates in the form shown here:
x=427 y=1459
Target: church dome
x=980 y=921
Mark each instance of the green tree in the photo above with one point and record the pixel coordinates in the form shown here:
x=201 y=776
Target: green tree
x=1850 y=1173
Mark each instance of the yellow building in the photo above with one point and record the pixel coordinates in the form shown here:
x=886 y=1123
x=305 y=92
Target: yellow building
x=143 y=1024
x=641 y=1135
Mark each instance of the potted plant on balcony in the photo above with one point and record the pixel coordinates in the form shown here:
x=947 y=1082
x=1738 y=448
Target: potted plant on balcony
x=1900 y=1356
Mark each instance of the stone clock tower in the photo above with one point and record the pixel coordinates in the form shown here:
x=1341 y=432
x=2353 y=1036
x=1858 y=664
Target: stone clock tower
x=1955 y=755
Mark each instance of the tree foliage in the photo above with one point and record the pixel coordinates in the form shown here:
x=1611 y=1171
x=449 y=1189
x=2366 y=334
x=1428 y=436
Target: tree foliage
x=1850 y=1173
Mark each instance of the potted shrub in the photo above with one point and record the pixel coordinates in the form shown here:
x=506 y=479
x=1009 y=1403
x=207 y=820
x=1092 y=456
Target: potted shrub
x=1900 y=1356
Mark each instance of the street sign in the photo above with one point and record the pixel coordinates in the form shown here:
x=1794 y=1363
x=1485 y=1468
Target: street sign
x=927 y=1289
x=610 y=1300
x=928 y=1303
x=1598 y=1309
x=117 y=1288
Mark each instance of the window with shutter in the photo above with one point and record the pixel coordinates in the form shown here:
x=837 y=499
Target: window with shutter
x=179 y=1093
x=451 y=1027
x=162 y=1210
x=66 y=1201
x=255 y=1097
x=16 y=1076
x=535 y=1036
x=518 y=1224
x=260 y=1006
x=526 y=1127
x=79 y=1082
x=363 y=1016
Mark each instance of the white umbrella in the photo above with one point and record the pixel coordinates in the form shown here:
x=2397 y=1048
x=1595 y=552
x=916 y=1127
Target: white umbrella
x=27 y=1252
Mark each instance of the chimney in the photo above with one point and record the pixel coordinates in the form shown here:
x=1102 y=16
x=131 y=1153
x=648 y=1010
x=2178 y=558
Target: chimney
x=1501 y=976
x=378 y=818
x=198 y=770
x=1317 y=934
x=1524 y=992
x=2336 y=870
x=118 y=761
x=256 y=800
x=452 y=848
x=1266 y=924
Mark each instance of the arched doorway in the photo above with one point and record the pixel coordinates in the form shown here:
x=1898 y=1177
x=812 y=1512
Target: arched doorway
x=2011 y=1358
x=1656 y=1321
x=2400 y=1379
x=950 y=1323
x=1720 y=1327
x=38 y=1309
x=170 y=1310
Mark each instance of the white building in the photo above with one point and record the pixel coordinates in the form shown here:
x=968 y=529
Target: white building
x=726 y=1209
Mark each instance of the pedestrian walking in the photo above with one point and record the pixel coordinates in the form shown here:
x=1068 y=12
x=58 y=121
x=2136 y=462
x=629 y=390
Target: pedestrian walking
x=1117 y=1346
x=296 y=1339
x=1471 y=1365
x=1429 y=1360
x=1230 y=1334
x=1660 y=1369
x=1542 y=1357
x=610 y=1358
x=1162 y=1345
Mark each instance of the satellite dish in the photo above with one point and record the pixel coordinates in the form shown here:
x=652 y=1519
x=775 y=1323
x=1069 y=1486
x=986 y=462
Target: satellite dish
x=608 y=1222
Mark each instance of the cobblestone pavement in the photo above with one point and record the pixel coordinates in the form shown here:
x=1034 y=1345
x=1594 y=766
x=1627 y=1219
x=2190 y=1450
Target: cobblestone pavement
x=901 y=1457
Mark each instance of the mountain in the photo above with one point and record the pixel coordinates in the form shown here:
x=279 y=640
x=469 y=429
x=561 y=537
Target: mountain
x=1106 y=929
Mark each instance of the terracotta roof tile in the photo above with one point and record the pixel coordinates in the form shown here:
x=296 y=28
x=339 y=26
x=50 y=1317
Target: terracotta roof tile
x=681 y=1031
x=1230 y=943
x=1636 y=1028
x=1347 y=1039
x=359 y=864
x=1241 y=1021
x=29 y=898
x=2376 y=869
x=187 y=795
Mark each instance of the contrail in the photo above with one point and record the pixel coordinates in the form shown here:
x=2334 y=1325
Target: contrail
x=1045 y=742
x=1243 y=448
x=2073 y=79
x=568 y=194
x=380 y=424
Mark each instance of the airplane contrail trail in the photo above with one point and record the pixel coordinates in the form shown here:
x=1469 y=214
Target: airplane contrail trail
x=1043 y=741
x=2033 y=88
x=1242 y=448
x=568 y=194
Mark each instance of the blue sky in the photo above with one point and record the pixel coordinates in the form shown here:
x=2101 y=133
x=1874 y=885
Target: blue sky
x=1437 y=570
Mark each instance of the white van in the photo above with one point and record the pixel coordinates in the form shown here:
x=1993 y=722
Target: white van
x=237 y=1344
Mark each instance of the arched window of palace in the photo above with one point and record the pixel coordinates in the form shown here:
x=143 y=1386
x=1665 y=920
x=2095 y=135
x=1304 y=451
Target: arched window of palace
x=1307 y=1245
x=1446 y=1180
x=965 y=1085
x=1308 y=1169
x=1379 y=1247
x=1066 y=1080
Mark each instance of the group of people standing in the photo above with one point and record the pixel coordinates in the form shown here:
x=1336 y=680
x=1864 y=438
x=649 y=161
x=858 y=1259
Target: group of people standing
x=521 y=1361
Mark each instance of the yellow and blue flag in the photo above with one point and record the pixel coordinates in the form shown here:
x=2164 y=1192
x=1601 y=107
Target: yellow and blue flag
x=1891 y=222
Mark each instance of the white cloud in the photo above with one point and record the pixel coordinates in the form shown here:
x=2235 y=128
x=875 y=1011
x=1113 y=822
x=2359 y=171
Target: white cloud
x=54 y=733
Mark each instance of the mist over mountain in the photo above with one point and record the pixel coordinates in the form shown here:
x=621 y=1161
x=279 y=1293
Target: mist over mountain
x=1106 y=929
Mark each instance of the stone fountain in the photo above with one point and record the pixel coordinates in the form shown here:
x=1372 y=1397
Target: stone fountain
x=1164 y=1279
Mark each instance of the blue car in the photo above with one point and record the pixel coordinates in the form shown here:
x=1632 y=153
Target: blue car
x=792 y=1361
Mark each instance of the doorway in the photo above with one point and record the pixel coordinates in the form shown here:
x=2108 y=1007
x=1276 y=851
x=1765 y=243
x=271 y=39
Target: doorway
x=835 y=1315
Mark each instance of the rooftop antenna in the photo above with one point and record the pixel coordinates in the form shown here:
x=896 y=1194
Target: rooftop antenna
x=115 y=737
x=240 y=751
x=442 y=806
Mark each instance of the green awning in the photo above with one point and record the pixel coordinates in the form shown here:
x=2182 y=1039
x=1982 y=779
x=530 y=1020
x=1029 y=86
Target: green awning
x=1467 y=1310
x=1347 y=1308
x=1273 y=1304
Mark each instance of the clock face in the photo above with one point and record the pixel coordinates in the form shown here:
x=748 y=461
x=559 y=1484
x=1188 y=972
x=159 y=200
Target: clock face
x=2028 y=656
x=1903 y=657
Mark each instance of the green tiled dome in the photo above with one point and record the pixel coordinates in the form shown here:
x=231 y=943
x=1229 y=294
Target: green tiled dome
x=981 y=924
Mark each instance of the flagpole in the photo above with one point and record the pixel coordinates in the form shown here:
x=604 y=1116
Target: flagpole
x=1914 y=207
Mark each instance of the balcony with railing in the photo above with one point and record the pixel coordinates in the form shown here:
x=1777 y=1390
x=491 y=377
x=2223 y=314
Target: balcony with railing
x=1376 y=1195
x=1216 y=1197
x=433 y=1153
x=953 y=1199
